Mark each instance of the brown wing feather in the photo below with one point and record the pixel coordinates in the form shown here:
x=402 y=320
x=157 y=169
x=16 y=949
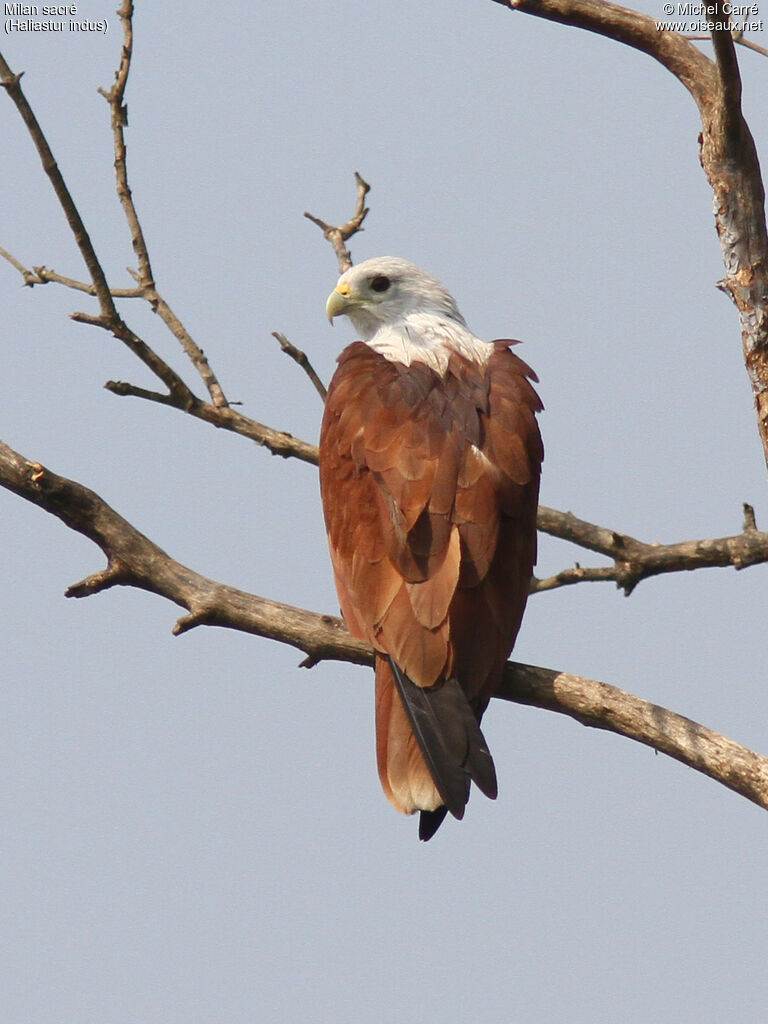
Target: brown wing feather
x=430 y=488
x=404 y=776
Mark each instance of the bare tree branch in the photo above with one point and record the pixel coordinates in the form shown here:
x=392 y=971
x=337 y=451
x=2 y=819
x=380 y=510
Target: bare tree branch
x=277 y=442
x=728 y=156
x=30 y=279
x=728 y=69
x=630 y=27
x=339 y=235
x=606 y=707
x=108 y=318
x=134 y=560
x=11 y=84
x=301 y=358
x=750 y=45
x=737 y=34
x=634 y=560
x=145 y=278
x=119 y=117
x=43 y=275
x=179 y=396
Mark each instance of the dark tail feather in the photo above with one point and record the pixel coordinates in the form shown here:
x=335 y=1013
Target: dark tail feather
x=450 y=739
x=430 y=822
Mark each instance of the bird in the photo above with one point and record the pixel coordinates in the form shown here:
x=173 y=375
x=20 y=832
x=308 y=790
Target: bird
x=430 y=458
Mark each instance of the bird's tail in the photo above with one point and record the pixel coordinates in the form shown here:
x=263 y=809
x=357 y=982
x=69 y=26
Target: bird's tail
x=429 y=747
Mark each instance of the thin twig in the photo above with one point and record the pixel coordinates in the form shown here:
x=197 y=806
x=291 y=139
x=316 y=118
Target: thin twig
x=43 y=275
x=277 y=442
x=123 y=389
x=301 y=358
x=46 y=276
x=752 y=46
x=115 y=97
x=739 y=39
x=11 y=83
x=577 y=574
x=29 y=278
x=737 y=34
x=145 y=277
x=193 y=351
x=338 y=235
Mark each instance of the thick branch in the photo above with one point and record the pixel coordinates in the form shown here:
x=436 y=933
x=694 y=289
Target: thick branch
x=606 y=707
x=134 y=560
x=727 y=69
x=729 y=158
x=630 y=27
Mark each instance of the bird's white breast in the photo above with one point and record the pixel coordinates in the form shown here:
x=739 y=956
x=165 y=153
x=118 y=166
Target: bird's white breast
x=428 y=339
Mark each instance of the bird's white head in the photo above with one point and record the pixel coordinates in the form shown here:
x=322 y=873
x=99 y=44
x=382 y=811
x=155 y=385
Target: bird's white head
x=385 y=291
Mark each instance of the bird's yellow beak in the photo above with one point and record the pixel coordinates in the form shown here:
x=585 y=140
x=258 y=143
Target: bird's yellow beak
x=338 y=301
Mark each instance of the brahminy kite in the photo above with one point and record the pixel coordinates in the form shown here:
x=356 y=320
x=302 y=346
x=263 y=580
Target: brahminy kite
x=430 y=458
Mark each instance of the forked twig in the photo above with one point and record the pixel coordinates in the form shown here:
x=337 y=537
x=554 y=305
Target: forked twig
x=338 y=235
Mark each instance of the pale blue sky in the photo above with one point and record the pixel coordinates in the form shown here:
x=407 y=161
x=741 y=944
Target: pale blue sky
x=192 y=828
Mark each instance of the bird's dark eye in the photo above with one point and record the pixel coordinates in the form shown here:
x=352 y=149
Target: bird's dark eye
x=380 y=283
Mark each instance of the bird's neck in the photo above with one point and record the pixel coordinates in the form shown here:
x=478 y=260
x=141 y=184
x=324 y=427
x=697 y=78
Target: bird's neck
x=428 y=338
